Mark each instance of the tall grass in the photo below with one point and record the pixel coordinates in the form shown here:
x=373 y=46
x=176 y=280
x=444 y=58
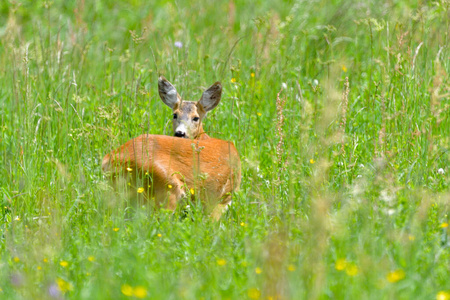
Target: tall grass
x=345 y=189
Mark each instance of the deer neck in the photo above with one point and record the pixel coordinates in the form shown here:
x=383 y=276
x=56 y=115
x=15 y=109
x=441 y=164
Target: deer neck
x=202 y=134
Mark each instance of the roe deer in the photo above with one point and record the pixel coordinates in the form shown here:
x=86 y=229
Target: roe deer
x=169 y=169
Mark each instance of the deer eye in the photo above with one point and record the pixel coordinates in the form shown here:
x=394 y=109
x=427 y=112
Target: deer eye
x=175 y=116
x=195 y=119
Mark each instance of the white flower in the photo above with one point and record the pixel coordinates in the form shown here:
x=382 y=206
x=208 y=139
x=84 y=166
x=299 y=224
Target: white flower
x=441 y=171
x=178 y=44
x=315 y=82
x=284 y=85
x=361 y=166
x=359 y=176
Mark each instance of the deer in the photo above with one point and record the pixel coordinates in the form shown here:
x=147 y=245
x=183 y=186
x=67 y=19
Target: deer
x=168 y=170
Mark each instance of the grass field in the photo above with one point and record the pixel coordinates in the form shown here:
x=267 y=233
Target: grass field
x=345 y=178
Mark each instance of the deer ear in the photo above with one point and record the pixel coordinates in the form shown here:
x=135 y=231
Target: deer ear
x=167 y=92
x=211 y=97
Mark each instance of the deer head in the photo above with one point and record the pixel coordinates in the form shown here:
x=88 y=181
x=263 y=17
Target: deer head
x=188 y=115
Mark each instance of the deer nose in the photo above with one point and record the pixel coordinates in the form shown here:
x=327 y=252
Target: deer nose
x=180 y=134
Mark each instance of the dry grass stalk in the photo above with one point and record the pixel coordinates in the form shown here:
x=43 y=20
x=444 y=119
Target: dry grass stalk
x=280 y=134
x=344 y=113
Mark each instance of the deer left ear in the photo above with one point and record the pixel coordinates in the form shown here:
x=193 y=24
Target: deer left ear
x=211 y=97
x=167 y=92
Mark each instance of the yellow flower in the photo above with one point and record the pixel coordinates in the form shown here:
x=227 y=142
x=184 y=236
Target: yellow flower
x=169 y=186
x=129 y=169
x=311 y=161
x=116 y=229
x=340 y=264
x=259 y=114
x=444 y=225
x=126 y=290
x=242 y=224
x=192 y=191
x=252 y=74
x=233 y=80
x=291 y=268
x=16 y=259
x=39 y=268
x=221 y=262
x=344 y=68
x=443 y=295
x=139 y=292
x=258 y=270
x=45 y=260
x=254 y=293
x=63 y=263
x=159 y=235
x=396 y=275
x=140 y=190
x=351 y=270
x=91 y=258
x=63 y=285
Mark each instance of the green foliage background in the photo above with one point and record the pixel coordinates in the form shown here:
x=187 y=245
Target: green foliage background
x=348 y=198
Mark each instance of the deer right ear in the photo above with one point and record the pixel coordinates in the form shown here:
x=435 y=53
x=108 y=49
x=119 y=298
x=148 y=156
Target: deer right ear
x=167 y=92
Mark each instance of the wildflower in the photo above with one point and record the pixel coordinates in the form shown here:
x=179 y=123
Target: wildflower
x=45 y=260
x=395 y=276
x=441 y=171
x=344 y=68
x=178 y=44
x=291 y=268
x=311 y=161
x=351 y=269
x=39 y=268
x=139 y=292
x=192 y=191
x=126 y=290
x=242 y=224
x=233 y=80
x=443 y=295
x=258 y=270
x=283 y=85
x=63 y=285
x=259 y=114
x=159 y=235
x=140 y=190
x=116 y=229
x=17 y=218
x=91 y=258
x=16 y=259
x=254 y=293
x=169 y=186
x=221 y=262
x=129 y=169
x=63 y=263
x=315 y=82
x=252 y=74
x=444 y=225
x=340 y=264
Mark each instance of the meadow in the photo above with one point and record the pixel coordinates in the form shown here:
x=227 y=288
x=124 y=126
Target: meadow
x=340 y=111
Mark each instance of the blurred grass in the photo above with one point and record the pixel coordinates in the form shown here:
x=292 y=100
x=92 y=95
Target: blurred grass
x=348 y=209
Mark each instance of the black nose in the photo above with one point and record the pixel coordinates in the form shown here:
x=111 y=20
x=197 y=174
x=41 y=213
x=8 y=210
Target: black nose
x=180 y=134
